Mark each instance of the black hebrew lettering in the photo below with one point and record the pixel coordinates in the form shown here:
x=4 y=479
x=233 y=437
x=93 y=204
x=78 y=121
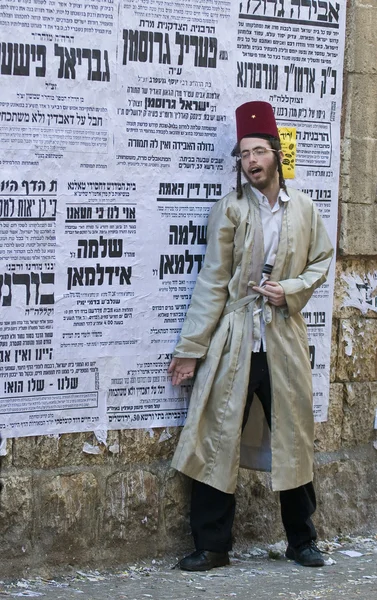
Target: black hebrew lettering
x=313 y=136
x=167 y=103
x=43 y=353
x=305 y=10
x=187 y=234
x=72 y=57
x=68 y=383
x=5 y=356
x=33 y=186
x=300 y=79
x=324 y=195
x=90 y=276
x=22 y=355
x=193 y=104
x=101 y=186
x=171 y=189
x=35 y=385
x=103 y=247
x=13 y=387
x=315 y=318
x=32 y=283
x=312 y=356
x=205 y=49
x=14 y=117
x=139 y=46
x=257 y=75
x=178 y=264
x=16 y=58
x=327 y=74
x=77 y=214
x=331 y=12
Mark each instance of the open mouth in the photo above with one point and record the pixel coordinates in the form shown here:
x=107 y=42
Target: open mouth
x=255 y=171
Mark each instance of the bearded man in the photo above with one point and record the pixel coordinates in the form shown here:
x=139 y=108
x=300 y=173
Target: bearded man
x=244 y=336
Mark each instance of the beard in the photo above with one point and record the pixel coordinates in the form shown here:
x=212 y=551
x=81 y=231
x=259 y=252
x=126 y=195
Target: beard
x=262 y=177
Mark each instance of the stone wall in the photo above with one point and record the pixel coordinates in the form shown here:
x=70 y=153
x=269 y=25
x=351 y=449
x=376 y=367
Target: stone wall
x=63 y=506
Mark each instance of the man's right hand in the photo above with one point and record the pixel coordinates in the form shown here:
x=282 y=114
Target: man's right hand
x=181 y=369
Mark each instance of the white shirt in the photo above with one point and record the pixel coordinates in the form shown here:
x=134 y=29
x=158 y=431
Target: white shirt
x=272 y=219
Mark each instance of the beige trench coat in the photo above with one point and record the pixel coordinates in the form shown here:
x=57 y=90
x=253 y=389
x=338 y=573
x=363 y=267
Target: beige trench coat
x=219 y=329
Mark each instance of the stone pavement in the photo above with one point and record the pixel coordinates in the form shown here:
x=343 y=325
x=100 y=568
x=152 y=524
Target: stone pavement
x=350 y=573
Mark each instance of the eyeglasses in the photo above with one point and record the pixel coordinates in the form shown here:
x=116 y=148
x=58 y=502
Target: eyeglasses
x=256 y=152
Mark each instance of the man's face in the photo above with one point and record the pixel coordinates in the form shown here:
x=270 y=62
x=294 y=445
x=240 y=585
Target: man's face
x=258 y=162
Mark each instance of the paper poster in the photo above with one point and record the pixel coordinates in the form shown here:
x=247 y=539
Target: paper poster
x=116 y=130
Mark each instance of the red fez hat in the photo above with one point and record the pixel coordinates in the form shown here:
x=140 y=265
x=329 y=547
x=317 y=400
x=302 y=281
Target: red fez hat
x=256 y=118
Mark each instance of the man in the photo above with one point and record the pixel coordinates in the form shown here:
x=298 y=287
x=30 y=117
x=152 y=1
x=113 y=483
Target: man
x=267 y=251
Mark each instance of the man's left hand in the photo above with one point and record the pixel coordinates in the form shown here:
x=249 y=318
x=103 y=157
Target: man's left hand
x=273 y=291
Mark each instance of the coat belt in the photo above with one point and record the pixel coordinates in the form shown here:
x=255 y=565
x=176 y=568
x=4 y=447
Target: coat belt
x=261 y=306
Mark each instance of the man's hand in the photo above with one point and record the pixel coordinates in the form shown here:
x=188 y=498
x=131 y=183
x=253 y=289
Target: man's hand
x=273 y=291
x=181 y=369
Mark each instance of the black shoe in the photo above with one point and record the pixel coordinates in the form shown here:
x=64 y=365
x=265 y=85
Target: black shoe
x=203 y=560
x=307 y=555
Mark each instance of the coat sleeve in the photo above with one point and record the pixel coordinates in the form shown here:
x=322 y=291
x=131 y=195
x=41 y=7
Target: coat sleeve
x=299 y=290
x=211 y=289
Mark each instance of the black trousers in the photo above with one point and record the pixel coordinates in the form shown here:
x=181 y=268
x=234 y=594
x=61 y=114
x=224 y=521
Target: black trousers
x=212 y=511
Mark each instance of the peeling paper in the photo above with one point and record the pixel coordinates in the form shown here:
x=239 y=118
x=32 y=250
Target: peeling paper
x=89 y=449
x=375 y=421
x=3 y=447
x=361 y=293
x=93 y=577
x=348 y=332
x=258 y=552
x=165 y=435
x=114 y=448
x=277 y=550
x=28 y=594
x=101 y=435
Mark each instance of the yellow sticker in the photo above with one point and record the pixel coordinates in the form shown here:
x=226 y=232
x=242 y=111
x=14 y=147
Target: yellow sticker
x=289 y=148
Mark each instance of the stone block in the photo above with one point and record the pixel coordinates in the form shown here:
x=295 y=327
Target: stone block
x=148 y=445
x=328 y=435
x=347 y=270
x=358 y=229
x=49 y=452
x=71 y=449
x=359 y=185
x=7 y=459
x=372 y=3
x=16 y=516
x=36 y=452
x=346 y=497
x=131 y=513
x=361 y=106
x=357 y=350
x=176 y=508
x=361 y=47
x=67 y=516
x=360 y=404
x=258 y=509
x=349 y=299
x=84 y=449
x=334 y=349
